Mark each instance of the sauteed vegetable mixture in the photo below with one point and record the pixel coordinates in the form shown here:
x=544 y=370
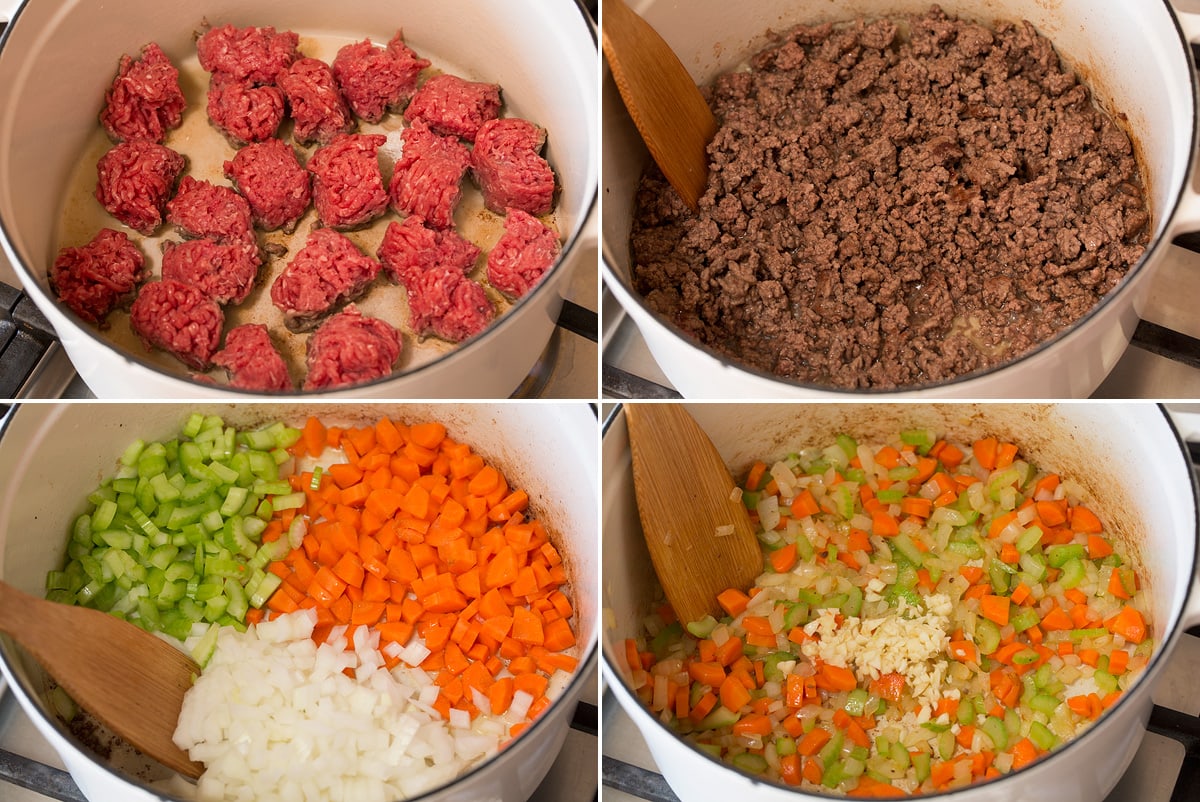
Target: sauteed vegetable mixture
x=375 y=609
x=930 y=614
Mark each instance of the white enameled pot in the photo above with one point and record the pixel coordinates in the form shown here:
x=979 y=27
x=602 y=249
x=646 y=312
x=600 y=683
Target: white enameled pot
x=57 y=57
x=1130 y=459
x=1134 y=54
x=52 y=455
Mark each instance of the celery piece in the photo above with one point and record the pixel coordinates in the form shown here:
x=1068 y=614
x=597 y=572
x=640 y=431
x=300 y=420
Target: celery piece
x=289 y=501
x=903 y=543
x=856 y=702
x=1044 y=703
x=832 y=750
x=104 y=513
x=994 y=729
x=720 y=717
x=785 y=746
x=900 y=756
x=921 y=762
x=751 y=762
x=987 y=636
x=1058 y=556
x=848 y=445
x=1073 y=573
x=1029 y=538
x=923 y=439
x=1023 y=619
x=893 y=495
x=1042 y=737
x=966 y=711
x=945 y=745
x=703 y=627
x=269 y=584
x=854 y=601
x=235 y=497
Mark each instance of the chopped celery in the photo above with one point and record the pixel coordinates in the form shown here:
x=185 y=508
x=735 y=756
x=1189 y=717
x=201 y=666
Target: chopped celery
x=702 y=628
x=994 y=729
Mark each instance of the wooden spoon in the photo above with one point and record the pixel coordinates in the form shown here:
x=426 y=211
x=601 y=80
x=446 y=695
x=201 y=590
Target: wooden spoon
x=687 y=506
x=663 y=100
x=130 y=680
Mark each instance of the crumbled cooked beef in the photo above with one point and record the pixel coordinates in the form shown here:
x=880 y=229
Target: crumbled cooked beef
x=273 y=182
x=328 y=271
x=315 y=103
x=509 y=168
x=225 y=271
x=350 y=348
x=180 y=319
x=888 y=210
x=433 y=266
x=134 y=180
x=348 y=182
x=204 y=209
x=252 y=360
x=252 y=55
x=523 y=254
x=375 y=80
x=427 y=178
x=144 y=101
x=96 y=278
x=244 y=112
x=453 y=106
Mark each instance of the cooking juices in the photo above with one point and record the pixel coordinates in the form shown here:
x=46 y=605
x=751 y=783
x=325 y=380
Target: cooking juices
x=930 y=614
x=894 y=203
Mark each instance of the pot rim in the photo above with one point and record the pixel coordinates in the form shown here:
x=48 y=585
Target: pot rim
x=964 y=381
x=33 y=705
x=183 y=380
x=1141 y=687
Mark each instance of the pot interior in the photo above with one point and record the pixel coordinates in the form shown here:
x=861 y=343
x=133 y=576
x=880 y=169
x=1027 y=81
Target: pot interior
x=1128 y=458
x=45 y=477
x=57 y=74
x=1134 y=59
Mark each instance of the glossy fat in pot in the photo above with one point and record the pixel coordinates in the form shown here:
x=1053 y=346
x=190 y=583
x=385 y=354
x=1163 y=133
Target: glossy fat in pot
x=59 y=56
x=45 y=475
x=1134 y=55
x=1128 y=457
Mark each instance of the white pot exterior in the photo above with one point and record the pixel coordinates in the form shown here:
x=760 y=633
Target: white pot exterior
x=54 y=76
x=1150 y=497
x=1134 y=54
x=45 y=476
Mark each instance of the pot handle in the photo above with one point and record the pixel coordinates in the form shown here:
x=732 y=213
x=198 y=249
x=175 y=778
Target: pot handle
x=1187 y=426
x=1187 y=215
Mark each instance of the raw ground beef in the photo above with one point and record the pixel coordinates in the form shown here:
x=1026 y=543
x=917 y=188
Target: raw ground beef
x=348 y=182
x=888 y=210
x=96 y=278
x=375 y=80
x=225 y=272
x=252 y=360
x=523 y=254
x=329 y=270
x=433 y=266
x=427 y=178
x=350 y=348
x=244 y=112
x=273 y=182
x=134 y=180
x=144 y=101
x=317 y=108
x=204 y=209
x=453 y=106
x=254 y=55
x=179 y=319
x=509 y=168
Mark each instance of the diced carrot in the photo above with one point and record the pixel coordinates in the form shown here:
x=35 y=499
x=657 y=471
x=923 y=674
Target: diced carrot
x=813 y=741
x=804 y=504
x=985 y=450
x=995 y=608
x=733 y=601
x=835 y=678
x=1084 y=520
x=733 y=694
x=1129 y=624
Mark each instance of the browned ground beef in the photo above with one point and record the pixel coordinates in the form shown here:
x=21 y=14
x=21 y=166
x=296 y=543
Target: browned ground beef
x=893 y=203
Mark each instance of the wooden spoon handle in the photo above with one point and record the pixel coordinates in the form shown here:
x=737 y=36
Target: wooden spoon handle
x=697 y=530
x=670 y=113
x=127 y=678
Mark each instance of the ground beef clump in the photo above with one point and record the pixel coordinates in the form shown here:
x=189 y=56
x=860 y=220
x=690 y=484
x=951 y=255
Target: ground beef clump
x=180 y=319
x=244 y=112
x=134 y=181
x=225 y=272
x=375 y=80
x=523 y=254
x=427 y=178
x=318 y=111
x=96 y=278
x=144 y=101
x=273 y=182
x=350 y=348
x=453 y=106
x=433 y=266
x=253 y=361
x=887 y=211
x=348 y=182
x=251 y=55
x=327 y=272
x=204 y=209
x=509 y=168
